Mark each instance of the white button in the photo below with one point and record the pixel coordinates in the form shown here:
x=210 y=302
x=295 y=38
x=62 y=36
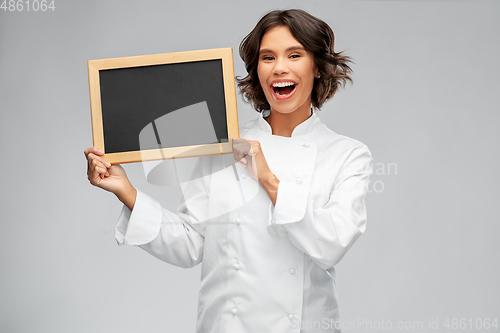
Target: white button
x=292 y=271
x=298 y=181
x=235 y=310
x=236 y=266
x=290 y=316
x=306 y=145
x=238 y=220
x=243 y=175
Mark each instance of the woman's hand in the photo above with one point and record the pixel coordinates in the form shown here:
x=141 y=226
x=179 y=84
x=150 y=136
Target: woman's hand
x=112 y=178
x=249 y=154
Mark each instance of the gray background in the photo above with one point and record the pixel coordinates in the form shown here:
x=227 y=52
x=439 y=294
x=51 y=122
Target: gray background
x=425 y=99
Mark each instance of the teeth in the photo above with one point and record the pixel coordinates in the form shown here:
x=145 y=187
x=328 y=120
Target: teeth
x=282 y=84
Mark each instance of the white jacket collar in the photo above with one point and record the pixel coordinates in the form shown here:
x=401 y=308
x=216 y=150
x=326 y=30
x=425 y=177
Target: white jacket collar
x=304 y=128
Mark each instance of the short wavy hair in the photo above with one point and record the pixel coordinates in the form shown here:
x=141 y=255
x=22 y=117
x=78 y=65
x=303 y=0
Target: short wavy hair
x=316 y=36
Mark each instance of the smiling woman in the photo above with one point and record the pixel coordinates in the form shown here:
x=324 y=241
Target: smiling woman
x=309 y=34
x=286 y=72
x=269 y=242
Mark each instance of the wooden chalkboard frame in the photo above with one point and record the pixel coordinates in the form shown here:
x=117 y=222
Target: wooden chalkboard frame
x=223 y=54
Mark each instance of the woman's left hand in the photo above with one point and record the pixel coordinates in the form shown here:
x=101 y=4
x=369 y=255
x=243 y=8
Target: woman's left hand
x=249 y=154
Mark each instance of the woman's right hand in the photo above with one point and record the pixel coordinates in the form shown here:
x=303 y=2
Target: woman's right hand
x=112 y=178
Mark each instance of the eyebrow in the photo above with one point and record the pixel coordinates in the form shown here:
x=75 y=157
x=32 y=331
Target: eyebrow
x=293 y=48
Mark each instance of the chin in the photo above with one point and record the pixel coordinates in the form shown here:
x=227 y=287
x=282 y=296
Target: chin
x=285 y=109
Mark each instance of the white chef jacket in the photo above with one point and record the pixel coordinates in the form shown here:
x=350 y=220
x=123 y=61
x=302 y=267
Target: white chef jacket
x=265 y=268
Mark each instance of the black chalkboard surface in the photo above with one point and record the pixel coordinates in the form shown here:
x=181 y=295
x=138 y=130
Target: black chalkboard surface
x=163 y=106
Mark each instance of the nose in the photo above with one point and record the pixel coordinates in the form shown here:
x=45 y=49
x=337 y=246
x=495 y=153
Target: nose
x=280 y=66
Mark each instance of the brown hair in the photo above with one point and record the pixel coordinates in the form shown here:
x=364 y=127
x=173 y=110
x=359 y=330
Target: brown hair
x=316 y=36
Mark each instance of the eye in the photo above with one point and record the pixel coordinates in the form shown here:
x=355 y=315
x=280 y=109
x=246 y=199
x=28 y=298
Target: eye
x=294 y=56
x=267 y=58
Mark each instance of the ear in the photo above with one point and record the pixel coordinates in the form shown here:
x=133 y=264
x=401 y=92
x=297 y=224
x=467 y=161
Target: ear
x=317 y=74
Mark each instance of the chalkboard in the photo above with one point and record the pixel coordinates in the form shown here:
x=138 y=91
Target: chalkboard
x=163 y=106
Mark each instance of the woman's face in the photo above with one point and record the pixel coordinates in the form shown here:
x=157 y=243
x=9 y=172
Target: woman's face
x=286 y=71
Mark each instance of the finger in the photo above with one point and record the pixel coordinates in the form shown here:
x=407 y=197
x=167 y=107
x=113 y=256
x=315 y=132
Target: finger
x=101 y=172
x=241 y=150
x=97 y=174
x=91 y=156
x=243 y=162
x=242 y=157
x=238 y=153
x=241 y=143
x=97 y=165
x=93 y=150
x=240 y=140
x=92 y=161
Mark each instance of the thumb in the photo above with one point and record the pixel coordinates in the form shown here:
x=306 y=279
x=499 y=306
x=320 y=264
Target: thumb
x=243 y=161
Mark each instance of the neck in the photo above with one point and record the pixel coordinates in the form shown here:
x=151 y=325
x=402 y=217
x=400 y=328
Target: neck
x=283 y=124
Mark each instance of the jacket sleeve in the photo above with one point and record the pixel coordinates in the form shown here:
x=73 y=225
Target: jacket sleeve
x=326 y=232
x=174 y=238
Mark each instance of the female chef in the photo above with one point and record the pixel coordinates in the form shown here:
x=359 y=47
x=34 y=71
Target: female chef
x=268 y=255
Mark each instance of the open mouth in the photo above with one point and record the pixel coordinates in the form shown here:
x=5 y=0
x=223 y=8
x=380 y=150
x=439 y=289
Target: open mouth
x=283 y=89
